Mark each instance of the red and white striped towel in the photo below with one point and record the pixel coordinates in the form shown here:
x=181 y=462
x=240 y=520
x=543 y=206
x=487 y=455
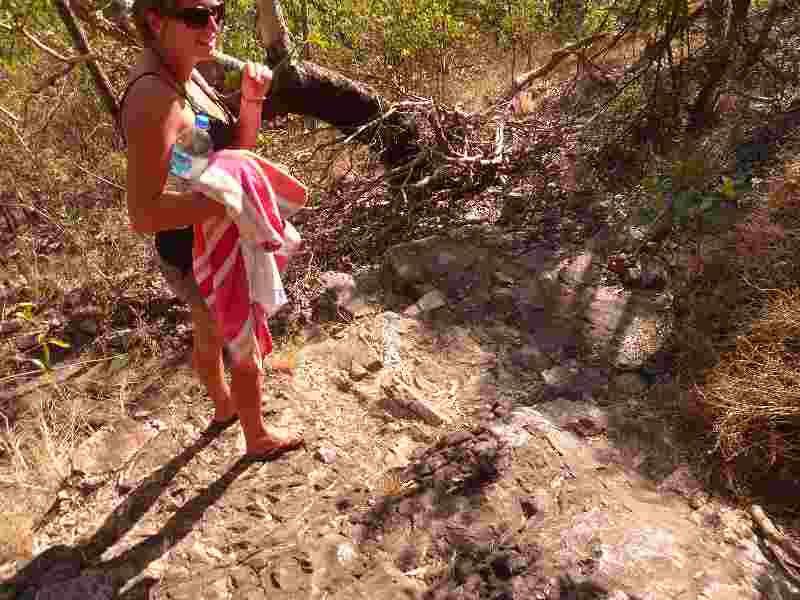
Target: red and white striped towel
x=238 y=259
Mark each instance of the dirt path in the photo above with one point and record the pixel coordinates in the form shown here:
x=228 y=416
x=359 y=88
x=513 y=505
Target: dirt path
x=538 y=466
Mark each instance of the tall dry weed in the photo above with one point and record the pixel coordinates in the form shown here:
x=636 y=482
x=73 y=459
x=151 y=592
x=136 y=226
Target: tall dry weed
x=753 y=393
x=742 y=338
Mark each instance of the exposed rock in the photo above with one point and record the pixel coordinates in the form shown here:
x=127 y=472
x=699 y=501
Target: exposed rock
x=341 y=286
x=358 y=372
x=625 y=328
x=326 y=454
x=544 y=502
x=110 y=448
x=629 y=384
x=681 y=481
x=430 y=301
x=403 y=401
x=581 y=418
x=339 y=294
x=578 y=270
x=444 y=262
x=557 y=376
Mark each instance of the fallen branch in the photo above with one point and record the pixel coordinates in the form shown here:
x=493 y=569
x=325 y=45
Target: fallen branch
x=48 y=50
x=98 y=177
x=82 y=45
x=556 y=57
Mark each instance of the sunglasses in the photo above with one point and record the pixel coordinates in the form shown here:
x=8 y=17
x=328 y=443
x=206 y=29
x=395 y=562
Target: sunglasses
x=198 y=17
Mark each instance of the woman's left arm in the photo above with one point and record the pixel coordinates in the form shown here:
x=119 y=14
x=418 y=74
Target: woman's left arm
x=256 y=84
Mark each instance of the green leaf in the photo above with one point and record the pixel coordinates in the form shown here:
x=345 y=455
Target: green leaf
x=58 y=342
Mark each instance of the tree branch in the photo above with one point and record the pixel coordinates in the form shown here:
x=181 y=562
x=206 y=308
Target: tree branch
x=273 y=31
x=44 y=48
x=556 y=57
x=82 y=44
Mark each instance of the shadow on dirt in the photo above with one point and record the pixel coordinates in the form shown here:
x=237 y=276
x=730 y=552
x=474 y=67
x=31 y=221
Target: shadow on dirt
x=60 y=564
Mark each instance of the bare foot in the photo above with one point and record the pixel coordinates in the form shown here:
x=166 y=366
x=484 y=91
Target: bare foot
x=273 y=444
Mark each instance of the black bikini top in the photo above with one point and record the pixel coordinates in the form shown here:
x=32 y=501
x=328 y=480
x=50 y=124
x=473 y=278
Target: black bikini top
x=222 y=132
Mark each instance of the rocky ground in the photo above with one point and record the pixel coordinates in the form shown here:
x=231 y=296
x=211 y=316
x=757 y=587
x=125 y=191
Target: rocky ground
x=491 y=420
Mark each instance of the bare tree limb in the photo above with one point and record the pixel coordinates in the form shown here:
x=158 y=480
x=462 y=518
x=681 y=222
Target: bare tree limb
x=82 y=45
x=273 y=31
x=43 y=47
x=305 y=88
x=556 y=57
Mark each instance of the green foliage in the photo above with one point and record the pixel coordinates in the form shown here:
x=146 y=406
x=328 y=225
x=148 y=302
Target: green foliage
x=239 y=38
x=685 y=186
x=36 y=16
x=27 y=312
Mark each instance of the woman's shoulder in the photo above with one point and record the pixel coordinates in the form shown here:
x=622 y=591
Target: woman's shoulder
x=148 y=86
x=149 y=104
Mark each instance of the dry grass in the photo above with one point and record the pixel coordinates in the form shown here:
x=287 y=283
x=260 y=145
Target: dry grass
x=753 y=394
x=739 y=338
x=66 y=250
x=16 y=535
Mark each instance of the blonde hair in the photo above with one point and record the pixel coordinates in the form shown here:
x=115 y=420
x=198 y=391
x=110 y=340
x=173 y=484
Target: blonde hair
x=140 y=10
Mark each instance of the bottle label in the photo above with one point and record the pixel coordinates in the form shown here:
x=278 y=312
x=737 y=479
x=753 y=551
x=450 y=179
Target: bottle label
x=180 y=162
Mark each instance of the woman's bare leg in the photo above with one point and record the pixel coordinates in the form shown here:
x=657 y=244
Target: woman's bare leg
x=207 y=361
x=246 y=379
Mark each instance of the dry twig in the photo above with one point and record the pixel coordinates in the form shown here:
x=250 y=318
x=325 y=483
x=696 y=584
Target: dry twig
x=783 y=549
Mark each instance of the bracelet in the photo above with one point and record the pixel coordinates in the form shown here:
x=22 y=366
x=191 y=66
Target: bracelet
x=255 y=100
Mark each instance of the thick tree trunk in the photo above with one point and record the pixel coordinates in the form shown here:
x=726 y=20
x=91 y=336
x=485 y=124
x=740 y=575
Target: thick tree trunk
x=305 y=88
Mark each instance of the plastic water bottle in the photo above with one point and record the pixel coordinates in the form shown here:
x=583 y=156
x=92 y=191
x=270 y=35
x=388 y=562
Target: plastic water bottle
x=191 y=151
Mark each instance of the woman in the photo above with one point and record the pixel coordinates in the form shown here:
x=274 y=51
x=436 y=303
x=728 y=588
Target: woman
x=163 y=95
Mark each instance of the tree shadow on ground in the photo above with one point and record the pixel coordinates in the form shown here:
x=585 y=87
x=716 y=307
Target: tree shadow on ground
x=61 y=563
x=655 y=437
x=439 y=497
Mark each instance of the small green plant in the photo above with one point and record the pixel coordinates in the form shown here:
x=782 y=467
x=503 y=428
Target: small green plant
x=685 y=188
x=26 y=312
